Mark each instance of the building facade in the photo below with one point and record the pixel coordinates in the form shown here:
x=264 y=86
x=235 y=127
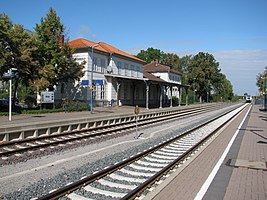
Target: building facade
x=119 y=78
x=113 y=73
x=167 y=74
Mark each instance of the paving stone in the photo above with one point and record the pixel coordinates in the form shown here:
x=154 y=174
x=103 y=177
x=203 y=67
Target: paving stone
x=243 y=174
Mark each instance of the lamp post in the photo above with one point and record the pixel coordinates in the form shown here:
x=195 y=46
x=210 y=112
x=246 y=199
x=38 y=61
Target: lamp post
x=91 y=86
x=10 y=95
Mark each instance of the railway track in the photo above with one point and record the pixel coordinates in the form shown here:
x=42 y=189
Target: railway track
x=131 y=178
x=16 y=148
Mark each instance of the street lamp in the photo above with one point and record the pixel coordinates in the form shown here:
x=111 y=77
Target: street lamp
x=91 y=86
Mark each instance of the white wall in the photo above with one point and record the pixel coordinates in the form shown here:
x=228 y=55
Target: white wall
x=121 y=67
x=127 y=68
x=80 y=57
x=170 y=77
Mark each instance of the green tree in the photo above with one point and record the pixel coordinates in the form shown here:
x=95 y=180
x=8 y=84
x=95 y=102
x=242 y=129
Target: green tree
x=17 y=51
x=201 y=71
x=182 y=67
x=151 y=54
x=228 y=90
x=172 y=60
x=184 y=62
x=55 y=56
x=262 y=82
x=5 y=42
x=222 y=88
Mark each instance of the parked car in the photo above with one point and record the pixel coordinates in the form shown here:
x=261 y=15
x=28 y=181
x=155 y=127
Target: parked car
x=4 y=106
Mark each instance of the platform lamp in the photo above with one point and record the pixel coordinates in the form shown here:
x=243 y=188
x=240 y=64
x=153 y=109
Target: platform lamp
x=91 y=86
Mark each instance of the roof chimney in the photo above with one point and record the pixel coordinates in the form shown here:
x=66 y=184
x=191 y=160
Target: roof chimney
x=157 y=62
x=61 y=40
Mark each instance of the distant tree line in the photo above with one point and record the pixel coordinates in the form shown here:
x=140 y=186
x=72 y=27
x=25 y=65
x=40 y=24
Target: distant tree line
x=201 y=72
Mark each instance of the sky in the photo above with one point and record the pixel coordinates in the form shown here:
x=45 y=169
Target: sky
x=233 y=31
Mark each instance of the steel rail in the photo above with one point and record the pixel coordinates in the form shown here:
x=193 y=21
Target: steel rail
x=142 y=187
x=112 y=128
x=55 y=194
x=142 y=116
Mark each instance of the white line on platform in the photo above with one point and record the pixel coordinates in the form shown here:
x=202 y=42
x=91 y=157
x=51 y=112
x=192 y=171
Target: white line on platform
x=216 y=168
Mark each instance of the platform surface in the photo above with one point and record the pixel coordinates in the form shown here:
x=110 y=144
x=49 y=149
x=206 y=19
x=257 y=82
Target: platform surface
x=19 y=120
x=241 y=175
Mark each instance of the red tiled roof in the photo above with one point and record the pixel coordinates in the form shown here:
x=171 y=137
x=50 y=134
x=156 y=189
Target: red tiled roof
x=83 y=43
x=151 y=77
x=157 y=67
x=101 y=46
x=112 y=49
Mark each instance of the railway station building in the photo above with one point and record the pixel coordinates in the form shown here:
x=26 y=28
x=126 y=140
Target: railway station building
x=119 y=78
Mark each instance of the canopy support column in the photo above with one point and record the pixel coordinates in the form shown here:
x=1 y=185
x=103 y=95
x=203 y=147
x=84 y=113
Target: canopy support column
x=180 y=95
x=118 y=92
x=160 y=98
x=147 y=94
x=171 y=96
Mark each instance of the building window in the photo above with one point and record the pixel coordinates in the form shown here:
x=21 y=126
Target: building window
x=103 y=65
x=137 y=69
x=102 y=95
x=94 y=94
x=132 y=70
x=95 y=64
x=98 y=65
x=119 y=67
x=126 y=69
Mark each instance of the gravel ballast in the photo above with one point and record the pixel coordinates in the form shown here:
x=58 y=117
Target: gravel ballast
x=38 y=176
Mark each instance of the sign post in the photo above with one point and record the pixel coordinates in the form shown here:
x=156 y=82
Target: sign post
x=9 y=76
x=86 y=84
x=136 y=111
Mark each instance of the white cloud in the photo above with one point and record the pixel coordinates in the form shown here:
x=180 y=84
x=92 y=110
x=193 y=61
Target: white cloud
x=134 y=51
x=240 y=66
x=84 y=31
